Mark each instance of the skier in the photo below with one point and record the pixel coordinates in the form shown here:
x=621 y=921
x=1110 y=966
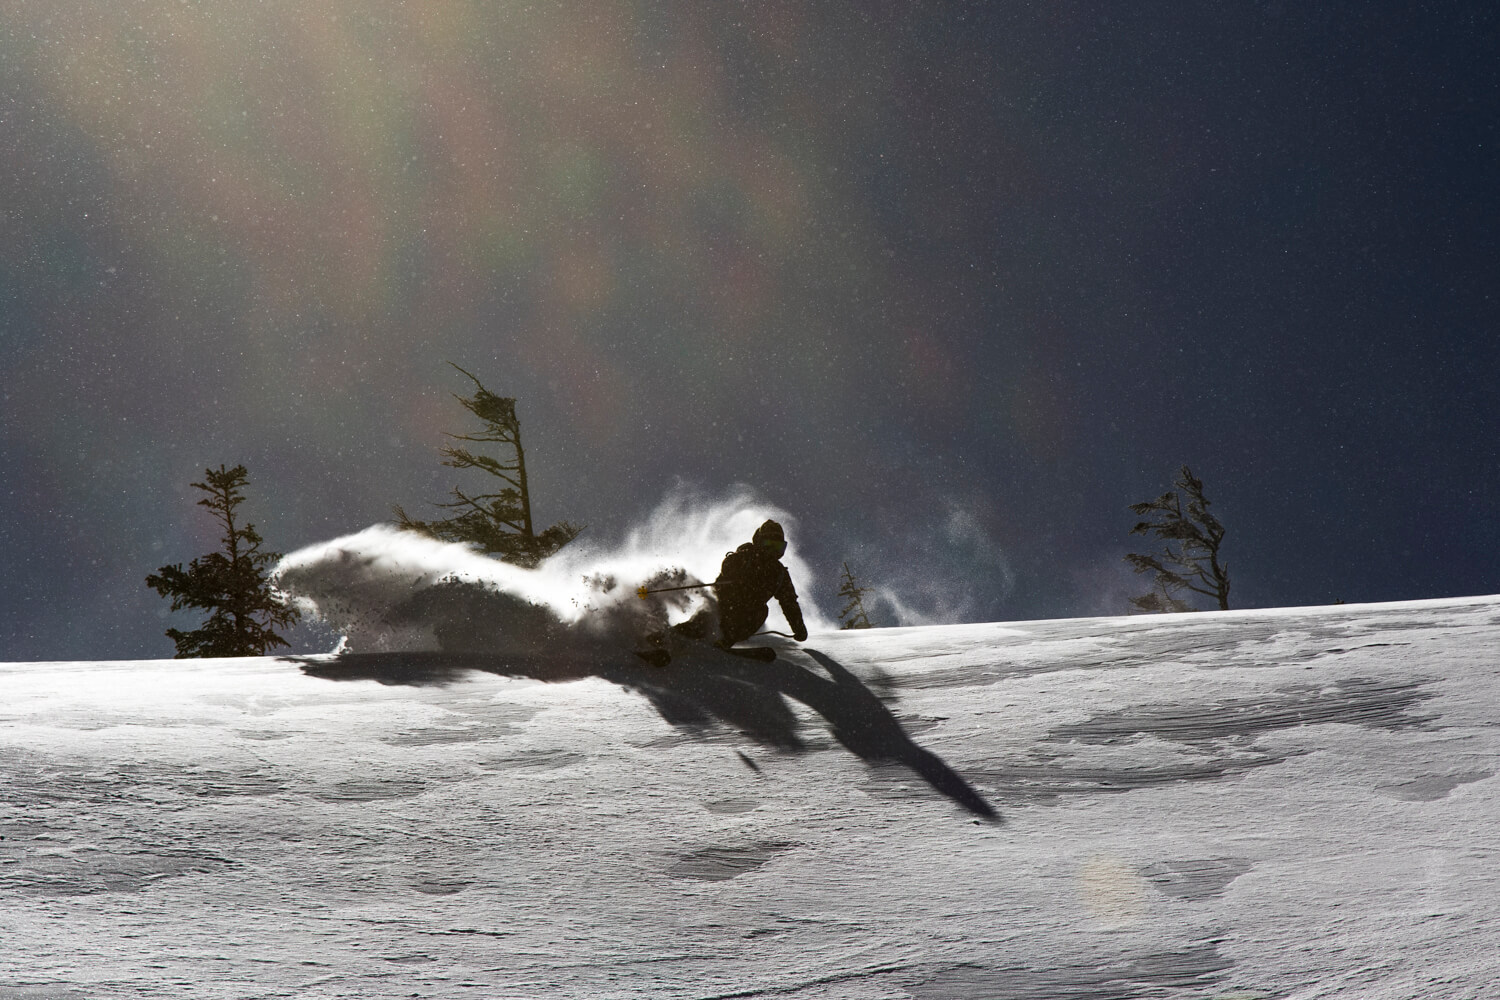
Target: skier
x=750 y=576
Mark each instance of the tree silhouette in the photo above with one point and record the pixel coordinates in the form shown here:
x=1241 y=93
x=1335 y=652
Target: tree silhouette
x=232 y=585
x=499 y=523
x=1189 y=561
x=853 y=615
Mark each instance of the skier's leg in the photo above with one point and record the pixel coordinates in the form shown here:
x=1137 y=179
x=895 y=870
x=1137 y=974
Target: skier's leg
x=701 y=626
x=739 y=623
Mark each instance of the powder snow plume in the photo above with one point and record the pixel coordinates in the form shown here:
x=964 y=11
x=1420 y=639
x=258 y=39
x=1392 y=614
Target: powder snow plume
x=388 y=590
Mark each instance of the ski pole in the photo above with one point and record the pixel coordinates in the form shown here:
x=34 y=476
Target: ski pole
x=641 y=591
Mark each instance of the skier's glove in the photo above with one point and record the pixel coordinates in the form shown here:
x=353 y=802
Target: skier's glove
x=800 y=633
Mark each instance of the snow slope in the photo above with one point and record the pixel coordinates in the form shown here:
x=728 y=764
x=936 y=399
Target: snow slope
x=1267 y=804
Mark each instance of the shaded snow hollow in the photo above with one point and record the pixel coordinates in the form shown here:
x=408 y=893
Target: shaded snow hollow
x=1291 y=804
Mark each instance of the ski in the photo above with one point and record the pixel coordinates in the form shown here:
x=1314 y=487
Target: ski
x=659 y=657
x=765 y=654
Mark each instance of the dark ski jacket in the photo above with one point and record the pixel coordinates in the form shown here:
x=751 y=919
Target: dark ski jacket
x=748 y=578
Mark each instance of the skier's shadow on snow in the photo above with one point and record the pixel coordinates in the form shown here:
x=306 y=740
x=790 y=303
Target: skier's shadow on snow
x=697 y=693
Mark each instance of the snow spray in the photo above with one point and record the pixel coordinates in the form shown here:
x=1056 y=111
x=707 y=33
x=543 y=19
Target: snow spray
x=389 y=590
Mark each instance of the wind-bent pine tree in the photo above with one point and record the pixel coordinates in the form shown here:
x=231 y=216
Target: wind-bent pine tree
x=853 y=615
x=499 y=523
x=1189 y=561
x=232 y=585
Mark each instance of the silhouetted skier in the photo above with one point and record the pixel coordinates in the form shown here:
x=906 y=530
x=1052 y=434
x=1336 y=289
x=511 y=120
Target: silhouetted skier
x=750 y=576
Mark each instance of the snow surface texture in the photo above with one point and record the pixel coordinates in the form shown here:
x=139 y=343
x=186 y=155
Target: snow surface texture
x=1288 y=804
x=388 y=590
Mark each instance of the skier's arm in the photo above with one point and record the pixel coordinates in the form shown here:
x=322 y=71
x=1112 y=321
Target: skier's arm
x=729 y=571
x=786 y=596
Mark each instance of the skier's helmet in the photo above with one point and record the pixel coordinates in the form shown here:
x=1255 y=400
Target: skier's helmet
x=771 y=538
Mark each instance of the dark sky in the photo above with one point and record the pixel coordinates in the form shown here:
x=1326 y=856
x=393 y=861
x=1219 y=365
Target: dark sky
x=950 y=283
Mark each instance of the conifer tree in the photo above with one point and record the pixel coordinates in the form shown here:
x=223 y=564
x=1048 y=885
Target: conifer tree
x=853 y=615
x=1189 y=561
x=232 y=585
x=499 y=523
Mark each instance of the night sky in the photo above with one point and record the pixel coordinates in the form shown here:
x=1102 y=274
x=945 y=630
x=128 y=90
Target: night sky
x=951 y=284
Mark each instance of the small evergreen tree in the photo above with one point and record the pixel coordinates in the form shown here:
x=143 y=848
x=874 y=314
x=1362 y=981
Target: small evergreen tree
x=499 y=523
x=232 y=585
x=853 y=615
x=1189 y=561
